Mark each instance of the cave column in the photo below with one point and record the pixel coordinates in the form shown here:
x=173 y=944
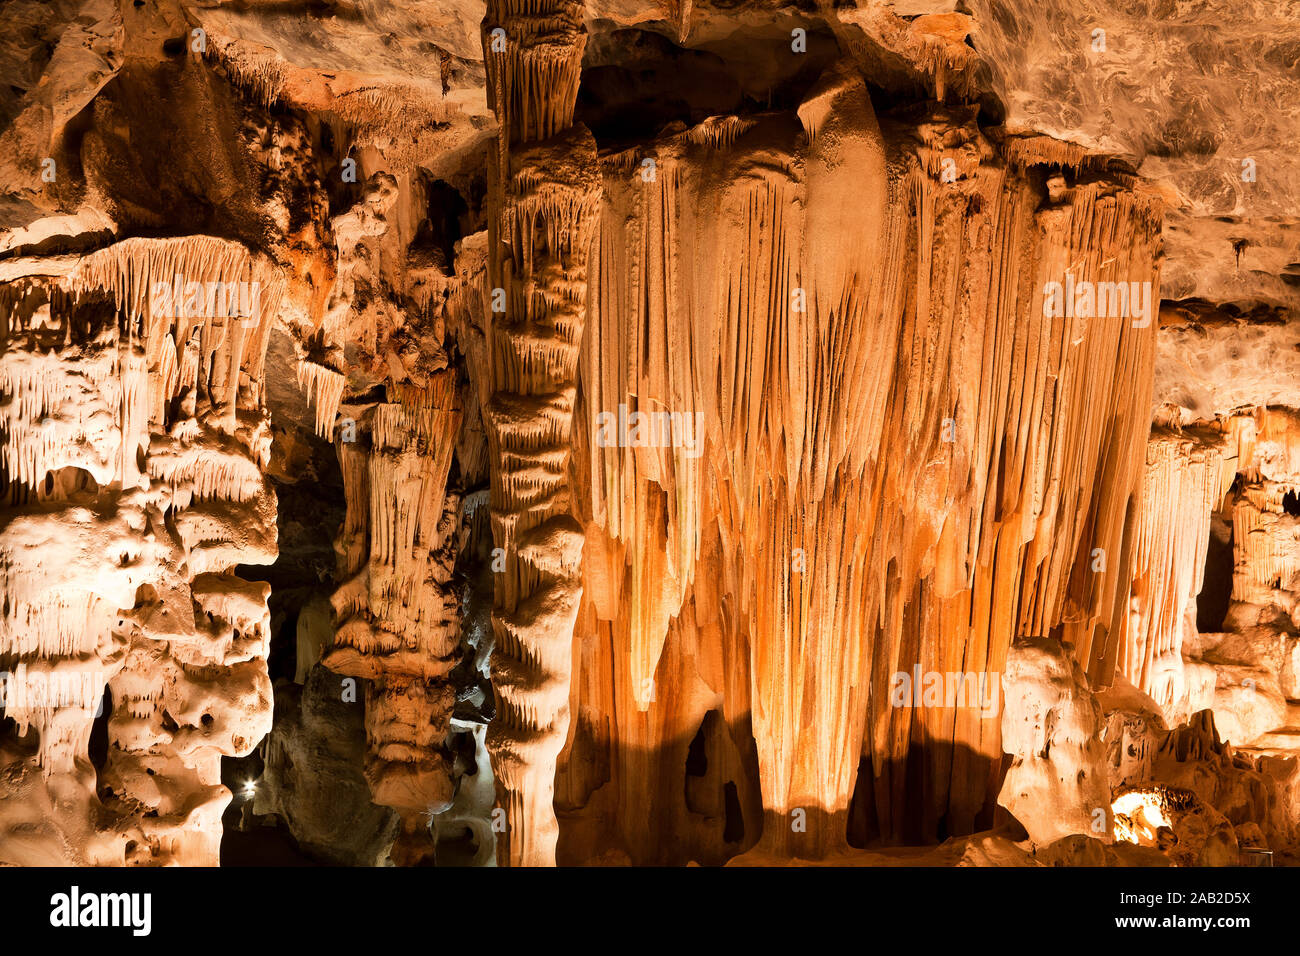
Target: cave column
x=544 y=191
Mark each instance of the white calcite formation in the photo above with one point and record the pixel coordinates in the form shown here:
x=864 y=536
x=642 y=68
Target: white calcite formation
x=1051 y=725
x=134 y=442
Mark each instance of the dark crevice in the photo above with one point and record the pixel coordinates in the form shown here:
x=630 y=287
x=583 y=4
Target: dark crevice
x=99 y=741
x=1216 y=591
x=733 y=829
x=636 y=82
x=697 y=760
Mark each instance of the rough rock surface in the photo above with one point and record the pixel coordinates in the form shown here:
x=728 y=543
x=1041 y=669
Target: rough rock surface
x=625 y=432
x=312 y=777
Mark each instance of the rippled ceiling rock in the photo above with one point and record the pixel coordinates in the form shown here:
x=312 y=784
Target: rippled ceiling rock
x=1200 y=97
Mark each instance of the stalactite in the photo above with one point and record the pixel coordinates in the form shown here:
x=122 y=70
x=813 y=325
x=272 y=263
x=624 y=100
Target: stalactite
x=750 y=483
x=534 y=65
x=1266 y=540
x=326 y=386
x=899 y=449
x=260 y=73
x=133 y=446
x=397 y=615
x=1187 y=476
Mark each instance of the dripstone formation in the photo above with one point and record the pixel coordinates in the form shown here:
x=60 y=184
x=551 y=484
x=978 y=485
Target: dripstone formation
x=548 y=432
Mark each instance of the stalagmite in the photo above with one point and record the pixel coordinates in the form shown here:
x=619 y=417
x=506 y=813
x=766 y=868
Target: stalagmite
x=1051 y=725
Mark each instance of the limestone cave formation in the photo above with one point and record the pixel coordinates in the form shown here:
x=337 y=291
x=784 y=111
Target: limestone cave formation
x=552 y=433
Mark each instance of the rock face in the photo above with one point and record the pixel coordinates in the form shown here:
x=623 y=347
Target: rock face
x=1202 y=802
x=689 y=433
x=313 y=776
x=1051 y=725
